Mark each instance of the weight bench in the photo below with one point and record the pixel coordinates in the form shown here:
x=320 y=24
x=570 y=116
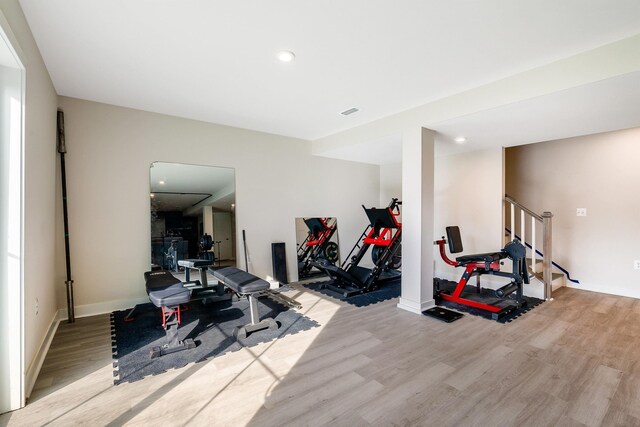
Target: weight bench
x=167 y=292
x=246 y=284
x=195 y=264
x=214 y=293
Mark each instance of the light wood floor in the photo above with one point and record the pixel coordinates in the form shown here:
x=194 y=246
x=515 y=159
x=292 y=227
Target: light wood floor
x=574 y=361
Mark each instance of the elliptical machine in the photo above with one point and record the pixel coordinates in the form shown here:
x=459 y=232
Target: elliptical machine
x=384 y=236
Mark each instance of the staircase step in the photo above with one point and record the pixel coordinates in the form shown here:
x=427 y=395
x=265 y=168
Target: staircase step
x=554 y=276
x=537 y=267
x=557 y=279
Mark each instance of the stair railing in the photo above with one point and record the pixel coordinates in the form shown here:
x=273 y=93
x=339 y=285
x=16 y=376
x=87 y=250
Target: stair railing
x=545 y=220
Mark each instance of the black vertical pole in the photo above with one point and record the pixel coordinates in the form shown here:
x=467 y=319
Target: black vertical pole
x=62 y=149
x=246 y=258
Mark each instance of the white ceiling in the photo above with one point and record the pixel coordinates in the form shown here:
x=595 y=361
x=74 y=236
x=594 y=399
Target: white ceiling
x=215 y=60
x=603 y=106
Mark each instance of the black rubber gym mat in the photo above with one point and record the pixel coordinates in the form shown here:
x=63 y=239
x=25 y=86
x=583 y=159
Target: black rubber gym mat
x=210 y=326
x=486 y=296
x=388 y=291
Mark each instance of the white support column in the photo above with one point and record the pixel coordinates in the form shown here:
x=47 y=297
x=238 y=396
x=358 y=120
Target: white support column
x=417 y=219
x=207 y=220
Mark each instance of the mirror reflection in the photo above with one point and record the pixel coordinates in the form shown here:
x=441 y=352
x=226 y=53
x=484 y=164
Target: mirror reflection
x=192 y=215
x=316 y=242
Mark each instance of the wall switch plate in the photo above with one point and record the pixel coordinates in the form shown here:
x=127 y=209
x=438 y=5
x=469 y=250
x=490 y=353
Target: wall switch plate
x=636 y=264
x=581 y=212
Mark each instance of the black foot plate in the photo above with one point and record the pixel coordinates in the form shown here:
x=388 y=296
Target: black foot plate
x=443 y=314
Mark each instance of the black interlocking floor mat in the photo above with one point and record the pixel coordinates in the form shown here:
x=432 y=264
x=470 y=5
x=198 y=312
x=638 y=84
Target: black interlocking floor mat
x=211 y=326
x=485 y=296
x=386 y=292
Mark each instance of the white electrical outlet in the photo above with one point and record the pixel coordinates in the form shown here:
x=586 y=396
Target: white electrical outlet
x=636 y=264
x=581 y=212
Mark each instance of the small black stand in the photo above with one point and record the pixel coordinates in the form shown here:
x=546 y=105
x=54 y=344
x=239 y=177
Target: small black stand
x=443 y=314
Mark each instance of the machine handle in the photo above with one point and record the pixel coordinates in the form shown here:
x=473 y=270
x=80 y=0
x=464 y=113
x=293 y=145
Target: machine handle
x=443 y=252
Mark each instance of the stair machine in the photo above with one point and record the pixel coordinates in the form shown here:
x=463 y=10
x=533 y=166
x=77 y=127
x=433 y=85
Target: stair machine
x=486 y=263
x=317 y=245
x=383 y=235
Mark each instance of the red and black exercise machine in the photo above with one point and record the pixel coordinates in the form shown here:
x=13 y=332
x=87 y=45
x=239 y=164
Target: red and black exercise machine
x=384 y=236
x=485 y=263
x=317 y=245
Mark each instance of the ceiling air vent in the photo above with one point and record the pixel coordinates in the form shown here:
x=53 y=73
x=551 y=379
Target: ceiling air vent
x=349 y=111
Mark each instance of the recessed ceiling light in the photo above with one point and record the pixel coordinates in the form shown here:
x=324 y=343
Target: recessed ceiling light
x=286 y=56
x=460 y=139
x=161 y=182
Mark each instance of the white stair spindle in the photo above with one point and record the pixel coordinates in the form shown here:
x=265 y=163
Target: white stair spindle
x=533 y=244
x=522 y=227
x=513 y=221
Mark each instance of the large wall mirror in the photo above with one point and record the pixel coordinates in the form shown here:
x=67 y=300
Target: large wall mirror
x=316 y=242
x=187 y=203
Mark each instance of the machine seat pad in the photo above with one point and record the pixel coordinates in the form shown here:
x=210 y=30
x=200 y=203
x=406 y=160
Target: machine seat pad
x=488 y=257
x=195 y=263
x=241 y=281
x=165 y=290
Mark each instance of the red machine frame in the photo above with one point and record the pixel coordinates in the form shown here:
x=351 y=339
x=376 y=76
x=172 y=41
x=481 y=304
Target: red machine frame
x=323 y=236
x=470 y=268
x=386 y=236
x=488 y=263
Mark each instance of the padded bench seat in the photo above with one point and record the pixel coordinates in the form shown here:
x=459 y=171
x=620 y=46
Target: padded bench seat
x=168 y=293
x=487 y=257
x=248 y=285
x=165 y=290
x=240 y=281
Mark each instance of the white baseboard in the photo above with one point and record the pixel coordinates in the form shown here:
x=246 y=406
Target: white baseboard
x=415 y=307
x=102 y=307
x=36 y=364
x=609 y=290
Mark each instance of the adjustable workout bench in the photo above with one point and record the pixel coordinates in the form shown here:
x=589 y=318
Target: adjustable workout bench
x=167 y=292
x=486 y=263
x=201 y=287
x=246 y=284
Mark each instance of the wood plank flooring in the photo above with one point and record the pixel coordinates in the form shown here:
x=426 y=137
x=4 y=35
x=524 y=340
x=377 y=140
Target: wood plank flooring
x=571 y=362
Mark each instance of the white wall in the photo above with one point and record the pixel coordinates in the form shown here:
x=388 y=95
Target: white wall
x=390 y=183
x=39 y=189
x=468 y=193
x=598 y=172
x=277 y=179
